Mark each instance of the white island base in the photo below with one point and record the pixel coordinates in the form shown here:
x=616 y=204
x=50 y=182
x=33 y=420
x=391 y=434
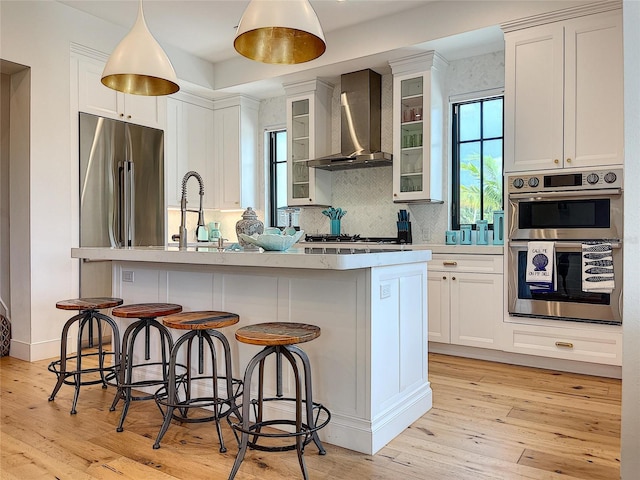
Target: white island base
x=369 y=365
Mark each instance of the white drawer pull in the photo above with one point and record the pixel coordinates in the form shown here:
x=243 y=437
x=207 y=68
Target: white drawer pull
x=564 y=344
x=449 y=264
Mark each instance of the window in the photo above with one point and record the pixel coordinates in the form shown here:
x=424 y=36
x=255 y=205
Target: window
x=477 y=184
x=277 y=182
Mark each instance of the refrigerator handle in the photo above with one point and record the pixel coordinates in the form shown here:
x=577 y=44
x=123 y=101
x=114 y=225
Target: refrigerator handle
x=126 y=205
x=119 y=217
x=132 y=205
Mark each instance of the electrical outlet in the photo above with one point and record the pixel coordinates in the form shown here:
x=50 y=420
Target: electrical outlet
x=385 y=290
x=127 y=276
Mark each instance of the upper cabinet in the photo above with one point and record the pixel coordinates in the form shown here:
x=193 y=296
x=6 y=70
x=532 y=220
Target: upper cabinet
x=418 y=121
x=564 y=90
x=189 y=146
x=95 y=98
x=308 y=137
x=235 y=139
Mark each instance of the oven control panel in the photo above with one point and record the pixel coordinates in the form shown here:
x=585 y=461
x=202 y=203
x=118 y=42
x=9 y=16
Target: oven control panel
x=554 y=182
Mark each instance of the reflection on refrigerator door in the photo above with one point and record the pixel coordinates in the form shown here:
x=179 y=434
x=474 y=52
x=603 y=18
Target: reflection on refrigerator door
x=121 y=192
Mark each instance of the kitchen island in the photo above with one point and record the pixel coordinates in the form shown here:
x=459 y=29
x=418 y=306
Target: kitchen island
x=369 y=364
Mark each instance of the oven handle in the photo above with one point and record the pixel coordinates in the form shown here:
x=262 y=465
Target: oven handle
x=559 y=244
x=573 y=193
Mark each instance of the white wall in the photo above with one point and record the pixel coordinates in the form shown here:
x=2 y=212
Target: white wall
x=5 y=84
x=630 y=465
x=38 y=35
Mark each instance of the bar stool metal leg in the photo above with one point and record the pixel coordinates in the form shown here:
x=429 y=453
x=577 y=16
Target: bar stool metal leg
x=84 y=319
x=126 y=382
x=169 y=397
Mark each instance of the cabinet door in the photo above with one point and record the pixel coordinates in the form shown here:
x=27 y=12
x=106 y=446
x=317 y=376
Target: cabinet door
x=534 y=82
x=93 y=96
x=189 y=146
x=438 y=306
x=148 y=111
x=594 y=91
x=476 y=309
x=306 y=126
x=227 y=144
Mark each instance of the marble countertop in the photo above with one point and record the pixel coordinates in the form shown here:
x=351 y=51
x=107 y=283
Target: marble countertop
x=342 y=257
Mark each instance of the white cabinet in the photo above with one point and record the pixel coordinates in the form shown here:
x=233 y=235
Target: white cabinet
x=600 y=344
x=465 y=299
x=308 y=137
x=95 y=98
x=564 y=91
x=189 y=146
x=418 y=122
x=235 y=139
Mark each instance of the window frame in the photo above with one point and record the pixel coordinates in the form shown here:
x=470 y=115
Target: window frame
x=455 y=156
x=272 y=171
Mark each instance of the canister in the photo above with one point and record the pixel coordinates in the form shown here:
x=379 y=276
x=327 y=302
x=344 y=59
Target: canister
x=498 y=227
x=482 y=234
x=465 y=234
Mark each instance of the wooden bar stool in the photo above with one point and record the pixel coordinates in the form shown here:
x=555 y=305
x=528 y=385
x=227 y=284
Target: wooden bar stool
x=202 y=327
x=88 y=314
x=279 y=338
x=146 y=313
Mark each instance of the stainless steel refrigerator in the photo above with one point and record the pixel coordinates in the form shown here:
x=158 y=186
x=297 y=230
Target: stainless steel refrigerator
x=121 y=192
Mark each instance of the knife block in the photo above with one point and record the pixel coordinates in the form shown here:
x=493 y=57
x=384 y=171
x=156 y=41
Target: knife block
x=404 y=232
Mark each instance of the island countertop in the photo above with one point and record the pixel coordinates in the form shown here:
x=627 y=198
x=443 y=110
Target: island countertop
x=311 y=257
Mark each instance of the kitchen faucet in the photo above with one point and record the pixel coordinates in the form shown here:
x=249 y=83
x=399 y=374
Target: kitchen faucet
x=182 y=236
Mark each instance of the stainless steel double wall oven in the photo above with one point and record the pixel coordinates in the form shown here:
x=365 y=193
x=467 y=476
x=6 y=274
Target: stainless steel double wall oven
x=569 y=209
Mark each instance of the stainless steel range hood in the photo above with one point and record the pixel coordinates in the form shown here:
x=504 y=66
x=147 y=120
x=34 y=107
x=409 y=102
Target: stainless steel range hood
x=360 y=100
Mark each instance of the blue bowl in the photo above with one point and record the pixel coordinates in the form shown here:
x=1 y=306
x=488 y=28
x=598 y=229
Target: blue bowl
x=273 y=241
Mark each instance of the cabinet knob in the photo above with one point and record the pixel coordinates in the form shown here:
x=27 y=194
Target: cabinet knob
x=395 y=194
x=568 y=160
x=128 y=116
x=311 y=199
x=444 y=278
x=122 y=115
x=453 y=278
x=556 y=161
x=564 y=344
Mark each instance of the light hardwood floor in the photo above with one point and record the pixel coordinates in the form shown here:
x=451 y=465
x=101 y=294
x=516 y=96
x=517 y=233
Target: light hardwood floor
x=489 y=421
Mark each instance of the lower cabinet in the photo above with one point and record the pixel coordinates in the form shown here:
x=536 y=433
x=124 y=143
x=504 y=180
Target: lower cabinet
x=465 y=299
x=582 y=342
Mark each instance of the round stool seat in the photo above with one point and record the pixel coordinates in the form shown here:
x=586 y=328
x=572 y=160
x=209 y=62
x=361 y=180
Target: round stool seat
x=146 y=310
x=204 y=320
x=277 y=333
x=97 y=303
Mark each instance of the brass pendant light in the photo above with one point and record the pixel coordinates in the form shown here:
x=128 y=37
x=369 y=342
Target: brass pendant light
x=139 y=65
x=280 y=32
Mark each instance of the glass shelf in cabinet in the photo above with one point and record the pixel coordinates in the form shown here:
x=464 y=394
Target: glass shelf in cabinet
x=411 y=87
x=300 y=107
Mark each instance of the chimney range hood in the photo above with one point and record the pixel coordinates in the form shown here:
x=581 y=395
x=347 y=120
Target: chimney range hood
x=360 y=104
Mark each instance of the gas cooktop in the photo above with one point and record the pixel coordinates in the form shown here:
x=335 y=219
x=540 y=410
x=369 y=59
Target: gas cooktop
x=350 y=238
x=346 y=250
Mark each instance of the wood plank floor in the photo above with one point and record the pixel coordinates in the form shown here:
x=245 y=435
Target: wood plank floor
x=489 y=421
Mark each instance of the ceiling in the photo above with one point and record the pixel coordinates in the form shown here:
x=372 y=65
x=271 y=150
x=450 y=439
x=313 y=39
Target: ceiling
x=206 y=28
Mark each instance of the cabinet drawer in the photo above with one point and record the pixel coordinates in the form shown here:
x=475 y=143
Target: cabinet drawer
x=466 y=263
x=597 y=346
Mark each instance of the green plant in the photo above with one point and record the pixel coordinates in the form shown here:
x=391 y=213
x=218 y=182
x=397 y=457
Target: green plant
x=470 y=193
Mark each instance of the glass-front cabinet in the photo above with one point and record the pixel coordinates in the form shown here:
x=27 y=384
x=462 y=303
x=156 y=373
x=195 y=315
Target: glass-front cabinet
x=300 y=149
x=418 y=116
x=309 y=137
